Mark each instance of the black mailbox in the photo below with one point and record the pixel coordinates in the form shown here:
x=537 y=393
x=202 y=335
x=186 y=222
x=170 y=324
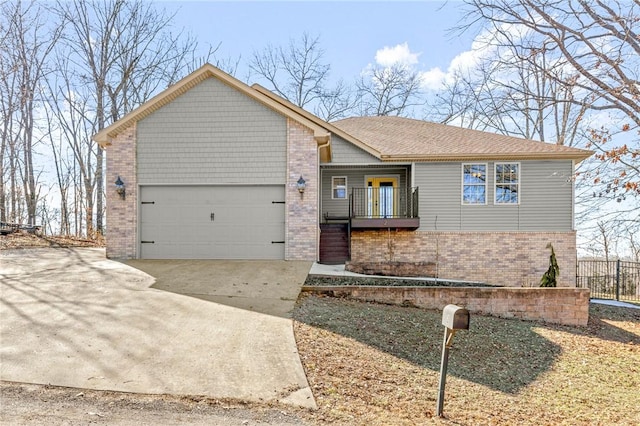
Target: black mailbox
x=455 y=318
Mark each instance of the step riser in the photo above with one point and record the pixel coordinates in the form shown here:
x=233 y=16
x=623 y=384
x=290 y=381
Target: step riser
x=334 y=244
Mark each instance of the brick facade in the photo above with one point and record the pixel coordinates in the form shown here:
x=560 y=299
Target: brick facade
x=515 y=259
x=301 y=227
x=122 y=215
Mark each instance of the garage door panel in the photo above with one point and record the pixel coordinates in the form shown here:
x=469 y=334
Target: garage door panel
x=239 y=222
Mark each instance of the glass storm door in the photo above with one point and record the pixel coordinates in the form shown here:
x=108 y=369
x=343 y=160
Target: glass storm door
x=381 y=196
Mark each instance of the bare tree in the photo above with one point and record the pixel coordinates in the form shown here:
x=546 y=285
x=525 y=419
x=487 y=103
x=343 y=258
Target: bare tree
x=27 y=42
x=120 y=54
x=62 y=169
x=392 y=90
x=632 y=232
x=457 y=100
x=337 y=102
x=67 y=110
x=295 y=72
x=110 y=56
x=298 y=73
x=505 y=94
x=597 y=46
x=8 y=107
x=229 y=64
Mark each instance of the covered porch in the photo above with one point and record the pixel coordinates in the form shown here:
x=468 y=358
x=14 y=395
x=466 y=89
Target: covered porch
x=369 y=196
x=363 y=197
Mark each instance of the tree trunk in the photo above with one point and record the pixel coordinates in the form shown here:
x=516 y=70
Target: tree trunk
x=29 y=182
x=99 y=191
x=3 y=197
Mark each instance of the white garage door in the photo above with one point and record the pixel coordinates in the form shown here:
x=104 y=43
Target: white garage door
x=212 y=222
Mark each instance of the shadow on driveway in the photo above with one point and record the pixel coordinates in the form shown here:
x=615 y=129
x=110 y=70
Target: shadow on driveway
x=70 y=317
x=268 y=287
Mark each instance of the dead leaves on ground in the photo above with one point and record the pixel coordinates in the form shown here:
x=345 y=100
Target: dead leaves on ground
x=376 y=364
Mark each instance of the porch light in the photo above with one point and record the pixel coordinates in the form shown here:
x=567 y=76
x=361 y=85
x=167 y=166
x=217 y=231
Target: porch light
x=302 y=185
x=120 y=188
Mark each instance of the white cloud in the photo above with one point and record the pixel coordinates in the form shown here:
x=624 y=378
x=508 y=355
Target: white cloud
x=399 y=54
x=463 y=63
x=432 y=79
x=482 y=47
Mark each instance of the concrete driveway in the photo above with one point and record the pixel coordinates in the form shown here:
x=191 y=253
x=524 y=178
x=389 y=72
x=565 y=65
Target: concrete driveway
x=70 y=317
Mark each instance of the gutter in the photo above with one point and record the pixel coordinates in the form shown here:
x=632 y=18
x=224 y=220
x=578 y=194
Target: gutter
x=512 y=156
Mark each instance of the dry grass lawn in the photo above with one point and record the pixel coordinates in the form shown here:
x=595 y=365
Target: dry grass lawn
x=378 y=365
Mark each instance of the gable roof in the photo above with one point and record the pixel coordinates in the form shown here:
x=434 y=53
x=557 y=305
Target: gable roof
x=327 y=125
x=406 y=139
x=104 y=137
x=386 y=138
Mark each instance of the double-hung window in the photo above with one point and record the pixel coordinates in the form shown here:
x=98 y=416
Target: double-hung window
x=507 y=183
x=339 y=187
x=474 y=184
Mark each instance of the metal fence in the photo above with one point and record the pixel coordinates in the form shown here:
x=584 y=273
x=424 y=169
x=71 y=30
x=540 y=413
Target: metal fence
x=612 y=279
x=384 y=202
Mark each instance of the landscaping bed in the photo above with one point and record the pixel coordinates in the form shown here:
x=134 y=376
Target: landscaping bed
x=322 y=281
x=393 y=269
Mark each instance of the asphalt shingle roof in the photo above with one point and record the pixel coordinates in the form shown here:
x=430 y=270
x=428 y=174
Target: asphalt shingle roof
x=405 y=138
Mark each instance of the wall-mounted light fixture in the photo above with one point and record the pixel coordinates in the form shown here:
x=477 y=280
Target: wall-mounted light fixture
x=302 y=185
x=120 y=188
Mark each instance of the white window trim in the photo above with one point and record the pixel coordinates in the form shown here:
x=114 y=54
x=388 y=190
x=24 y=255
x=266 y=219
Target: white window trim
x=495 y=183
x=486 y=186
x=346 y=186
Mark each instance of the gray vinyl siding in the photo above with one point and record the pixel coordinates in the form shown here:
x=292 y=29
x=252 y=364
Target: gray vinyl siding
x=212 y=134
x=343 y=152
x=439 y=195
x=546 y=199
x=355 y=179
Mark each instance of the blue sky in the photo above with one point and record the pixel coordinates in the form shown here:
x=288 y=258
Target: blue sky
x=351 y=32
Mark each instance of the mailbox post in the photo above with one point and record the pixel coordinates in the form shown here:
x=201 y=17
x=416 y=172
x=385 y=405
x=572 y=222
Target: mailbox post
x=454 y=318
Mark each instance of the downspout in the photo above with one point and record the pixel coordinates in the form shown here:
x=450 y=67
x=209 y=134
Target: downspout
x=573 y=196
x=324 y=142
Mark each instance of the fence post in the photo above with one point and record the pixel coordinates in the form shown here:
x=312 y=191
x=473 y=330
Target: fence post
x=618 y=279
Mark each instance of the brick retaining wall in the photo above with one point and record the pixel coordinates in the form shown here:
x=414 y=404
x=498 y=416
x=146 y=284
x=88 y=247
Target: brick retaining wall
x=567 y=306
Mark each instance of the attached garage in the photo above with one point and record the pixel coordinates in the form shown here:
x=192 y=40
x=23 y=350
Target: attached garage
x=207 y=166
x=212 y=222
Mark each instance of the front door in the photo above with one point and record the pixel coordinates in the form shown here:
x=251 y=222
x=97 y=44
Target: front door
x=382 y=196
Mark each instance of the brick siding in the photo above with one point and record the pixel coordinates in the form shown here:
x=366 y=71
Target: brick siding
x=302 y=209
x=122 y=214
x=515 y=259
